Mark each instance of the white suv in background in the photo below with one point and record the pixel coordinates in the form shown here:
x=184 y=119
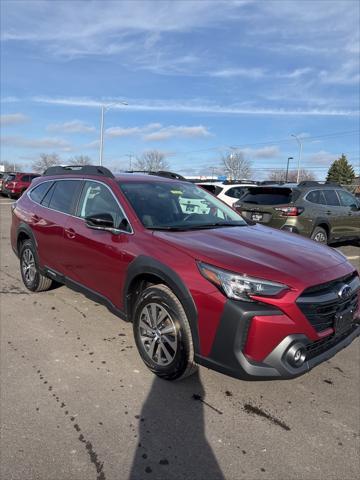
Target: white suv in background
x=228 y=192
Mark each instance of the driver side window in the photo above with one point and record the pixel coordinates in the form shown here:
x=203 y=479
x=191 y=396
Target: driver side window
x=95 y=199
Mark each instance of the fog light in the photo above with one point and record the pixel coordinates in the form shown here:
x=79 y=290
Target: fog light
x=296 y=355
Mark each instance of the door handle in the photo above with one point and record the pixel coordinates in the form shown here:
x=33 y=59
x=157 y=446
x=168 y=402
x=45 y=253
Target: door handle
x=70 y=233
x=328 y=212
x=35 y=218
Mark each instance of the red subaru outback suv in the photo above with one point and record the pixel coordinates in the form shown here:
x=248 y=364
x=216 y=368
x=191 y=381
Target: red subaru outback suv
x=200 y=284
x=15 y=184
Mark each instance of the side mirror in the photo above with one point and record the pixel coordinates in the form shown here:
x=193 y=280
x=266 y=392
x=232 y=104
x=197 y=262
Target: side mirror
x=354 y=207
x=100 y=221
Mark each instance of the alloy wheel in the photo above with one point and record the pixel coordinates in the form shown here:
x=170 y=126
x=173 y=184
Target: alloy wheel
x=158 y=334
x=28 y=266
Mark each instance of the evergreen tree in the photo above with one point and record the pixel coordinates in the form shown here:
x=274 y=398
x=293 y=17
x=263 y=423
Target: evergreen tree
x=341 y=171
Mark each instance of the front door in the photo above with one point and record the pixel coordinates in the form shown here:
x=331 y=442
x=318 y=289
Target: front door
x=97 y=259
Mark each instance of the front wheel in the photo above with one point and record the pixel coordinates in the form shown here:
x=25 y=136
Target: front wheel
x=320 y=235
x=33 y=279
x=162 y=334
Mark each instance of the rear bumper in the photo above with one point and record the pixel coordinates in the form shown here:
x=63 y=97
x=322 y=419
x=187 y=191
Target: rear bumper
x=228 y=357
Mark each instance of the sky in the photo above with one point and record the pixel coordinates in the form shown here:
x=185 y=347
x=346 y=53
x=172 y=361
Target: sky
x=200 y=79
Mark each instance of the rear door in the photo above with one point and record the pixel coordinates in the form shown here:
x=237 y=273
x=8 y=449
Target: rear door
x=351 y=217
x=260 y=204
x=48 y=221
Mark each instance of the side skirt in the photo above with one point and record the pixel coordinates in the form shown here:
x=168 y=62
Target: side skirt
x=91 y=294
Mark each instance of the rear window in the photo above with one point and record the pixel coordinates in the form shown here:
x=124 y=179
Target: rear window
x=37 y=193
x=64 y=195
x=269 y=196
x=9 y=178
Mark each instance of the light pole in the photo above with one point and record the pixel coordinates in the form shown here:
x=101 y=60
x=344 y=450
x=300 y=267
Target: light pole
x=299 y=160
x=287 y=168
x=104 y=108
x=130 y=156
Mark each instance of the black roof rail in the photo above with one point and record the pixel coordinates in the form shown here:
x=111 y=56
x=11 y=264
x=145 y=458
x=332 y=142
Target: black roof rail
x=271 y=182
x=160 y=173
x=78 y=169
x=309 y=183
x=334 y=184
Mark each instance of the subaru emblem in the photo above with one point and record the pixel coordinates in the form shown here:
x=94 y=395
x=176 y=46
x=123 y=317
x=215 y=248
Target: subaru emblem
x=344 y=292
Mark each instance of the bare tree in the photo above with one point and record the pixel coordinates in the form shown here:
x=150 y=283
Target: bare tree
x=280 y=176
x=11 y=166
x=45 y=161
x=236 y=166
x=151 y=161
x=80 y=160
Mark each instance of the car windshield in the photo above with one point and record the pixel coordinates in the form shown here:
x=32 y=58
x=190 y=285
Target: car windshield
x=178 y=206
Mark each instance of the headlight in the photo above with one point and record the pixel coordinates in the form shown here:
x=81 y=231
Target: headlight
x=240 y=287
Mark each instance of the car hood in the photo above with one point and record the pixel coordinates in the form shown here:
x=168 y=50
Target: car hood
x=262 y=252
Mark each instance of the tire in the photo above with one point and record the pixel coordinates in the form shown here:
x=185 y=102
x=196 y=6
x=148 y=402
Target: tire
x=29 y=267
x=169 y=355
x=320 y=235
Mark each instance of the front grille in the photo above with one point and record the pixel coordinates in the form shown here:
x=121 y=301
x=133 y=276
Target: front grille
x=317 y=348
x=320 y=304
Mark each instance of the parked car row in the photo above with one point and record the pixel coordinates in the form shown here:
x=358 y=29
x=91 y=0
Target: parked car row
x=324 y=212
x=14 y=184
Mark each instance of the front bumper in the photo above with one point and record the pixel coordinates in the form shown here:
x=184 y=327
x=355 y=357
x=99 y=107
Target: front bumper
x=227 y=355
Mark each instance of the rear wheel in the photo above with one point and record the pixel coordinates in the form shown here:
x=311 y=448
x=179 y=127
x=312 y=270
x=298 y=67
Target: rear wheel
x=320 y=235
x=30 y=273
x=162 y=334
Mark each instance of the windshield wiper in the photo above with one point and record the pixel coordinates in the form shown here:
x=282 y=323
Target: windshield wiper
x=204 y=226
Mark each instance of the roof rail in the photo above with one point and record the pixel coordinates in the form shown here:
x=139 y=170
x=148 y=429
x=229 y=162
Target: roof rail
x=160 y=173
x=308 y=183
x=239 y=182
x=78 y=169
x=335 y=184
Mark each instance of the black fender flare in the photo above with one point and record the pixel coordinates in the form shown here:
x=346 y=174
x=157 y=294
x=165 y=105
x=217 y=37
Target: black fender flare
x=24 y=228
x=322 y=221
x=148 y=265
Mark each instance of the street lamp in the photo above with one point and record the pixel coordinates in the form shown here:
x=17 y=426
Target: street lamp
x=104 y=108
x=287 y=168
x=299 y=160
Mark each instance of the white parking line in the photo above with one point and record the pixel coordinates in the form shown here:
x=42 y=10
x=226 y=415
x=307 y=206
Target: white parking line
x=6 y=203
x=354 y=257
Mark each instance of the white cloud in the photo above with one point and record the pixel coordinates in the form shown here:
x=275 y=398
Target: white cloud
x=13 y=119
x=38 y=143
x=157 y=132
x=73 y=126
x=253 y=73
x=198 y=107
x=322 y=157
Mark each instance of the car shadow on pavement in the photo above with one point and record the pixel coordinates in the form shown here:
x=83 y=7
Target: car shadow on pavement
x=172 y=443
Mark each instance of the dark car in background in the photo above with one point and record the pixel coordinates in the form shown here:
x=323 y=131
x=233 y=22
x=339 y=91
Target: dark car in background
x=15 y=184
x=3 y=176
x=324 y=212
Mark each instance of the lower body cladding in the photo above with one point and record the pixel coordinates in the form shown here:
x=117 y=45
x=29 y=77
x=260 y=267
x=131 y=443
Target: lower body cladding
x=294 y=355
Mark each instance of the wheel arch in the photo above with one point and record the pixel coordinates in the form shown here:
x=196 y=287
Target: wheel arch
x=24 y=233
x=146 y=270
x=323 y=223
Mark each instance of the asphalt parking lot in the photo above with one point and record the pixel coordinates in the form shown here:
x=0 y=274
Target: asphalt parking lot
x=77 y=403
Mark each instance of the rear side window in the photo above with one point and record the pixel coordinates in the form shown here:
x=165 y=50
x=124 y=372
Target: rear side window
x=268 y=196
x=9 y=178
x=25 y=178
x=37 y=193
x=64 y=195
x=236 y=192
x=317 y=196
x=331 y=198
x=214 y=189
